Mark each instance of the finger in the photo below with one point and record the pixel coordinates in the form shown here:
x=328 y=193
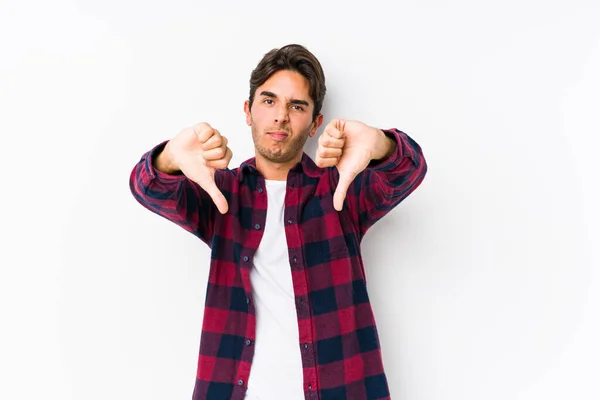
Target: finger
x=222 y=162
x=326 y=162
x=214 y=154
x=203 y=132
x=340 y=191
x=333 y=132
x=329 y=141
x=217 y=197
x=215 y=141
x=328 y=152
x=340 y=124
x=335 y=128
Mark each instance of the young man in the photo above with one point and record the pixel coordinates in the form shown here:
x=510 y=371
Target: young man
x=287 y=314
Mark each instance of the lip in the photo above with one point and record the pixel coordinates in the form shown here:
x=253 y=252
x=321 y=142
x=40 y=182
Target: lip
x=278 y=135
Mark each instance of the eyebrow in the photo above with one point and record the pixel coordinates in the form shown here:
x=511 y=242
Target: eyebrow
x=293 y=101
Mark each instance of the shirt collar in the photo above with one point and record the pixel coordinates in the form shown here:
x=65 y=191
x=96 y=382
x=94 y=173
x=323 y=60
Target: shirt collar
x=306 y=165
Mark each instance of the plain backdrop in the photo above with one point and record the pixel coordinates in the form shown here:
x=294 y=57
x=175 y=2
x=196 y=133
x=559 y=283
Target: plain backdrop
x=485 y=282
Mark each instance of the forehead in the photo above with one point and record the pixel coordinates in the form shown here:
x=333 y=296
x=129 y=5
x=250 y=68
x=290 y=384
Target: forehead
x=288 y=85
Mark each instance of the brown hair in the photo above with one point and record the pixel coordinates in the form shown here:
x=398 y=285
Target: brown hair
x=293 y=57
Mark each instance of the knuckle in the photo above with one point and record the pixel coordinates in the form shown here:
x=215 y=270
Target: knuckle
x=201 y=127
x=206 y=145
x=212 y=143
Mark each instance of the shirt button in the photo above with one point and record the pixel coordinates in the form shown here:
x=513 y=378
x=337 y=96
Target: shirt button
x=246 y=258
x=247 y=300
x=306 y=345
x=289 y=221
x=309 y=386
x=248 y=342
x=257 y=226
x=260 y=190
x=240 y=382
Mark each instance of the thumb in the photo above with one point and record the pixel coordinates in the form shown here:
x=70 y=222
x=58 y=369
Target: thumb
x=216 y=196
x=342 y=189
x=205 y=178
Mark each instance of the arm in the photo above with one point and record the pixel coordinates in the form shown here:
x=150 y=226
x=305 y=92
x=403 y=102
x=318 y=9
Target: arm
x=385 y=182
x=172 y=195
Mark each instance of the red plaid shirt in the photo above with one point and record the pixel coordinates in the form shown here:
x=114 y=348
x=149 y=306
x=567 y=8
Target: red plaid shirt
x=339 y=343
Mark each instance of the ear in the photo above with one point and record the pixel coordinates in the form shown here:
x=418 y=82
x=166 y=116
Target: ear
x=316 y=124
x=248 y=114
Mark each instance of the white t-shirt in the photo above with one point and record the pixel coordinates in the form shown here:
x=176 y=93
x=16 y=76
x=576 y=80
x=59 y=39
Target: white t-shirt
x=276 y=371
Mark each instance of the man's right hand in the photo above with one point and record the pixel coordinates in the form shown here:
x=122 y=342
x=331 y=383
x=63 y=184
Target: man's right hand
x=197 y=152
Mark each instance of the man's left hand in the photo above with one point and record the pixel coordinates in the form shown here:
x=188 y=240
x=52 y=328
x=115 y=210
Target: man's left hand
x=350 y=146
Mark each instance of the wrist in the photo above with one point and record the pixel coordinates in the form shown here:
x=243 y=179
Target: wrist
x=164 y=161
x=384 y=146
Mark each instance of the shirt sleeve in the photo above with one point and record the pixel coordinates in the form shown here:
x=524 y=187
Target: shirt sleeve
x=174 y=197
x=385 y=183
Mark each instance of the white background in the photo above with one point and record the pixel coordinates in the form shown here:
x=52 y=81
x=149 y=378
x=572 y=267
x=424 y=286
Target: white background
x=485 y=282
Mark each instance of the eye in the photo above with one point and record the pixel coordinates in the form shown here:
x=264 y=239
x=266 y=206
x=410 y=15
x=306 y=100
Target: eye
x=268 y=101
x=297 y=107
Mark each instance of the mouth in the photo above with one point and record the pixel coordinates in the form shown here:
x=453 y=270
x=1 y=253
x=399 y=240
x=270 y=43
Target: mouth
x=278 y=135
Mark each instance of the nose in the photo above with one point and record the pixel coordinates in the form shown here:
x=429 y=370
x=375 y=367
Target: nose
x=282 y=114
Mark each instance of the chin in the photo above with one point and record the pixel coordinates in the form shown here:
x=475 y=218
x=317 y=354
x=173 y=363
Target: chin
x=277 y=157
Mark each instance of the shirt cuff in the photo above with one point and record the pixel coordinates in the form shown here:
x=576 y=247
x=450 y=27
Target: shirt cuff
x=154 y=173
x=392 y=160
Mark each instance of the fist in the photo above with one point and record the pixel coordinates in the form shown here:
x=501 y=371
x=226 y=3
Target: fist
x=215 y=153
x=198 y=152
x=349 y=146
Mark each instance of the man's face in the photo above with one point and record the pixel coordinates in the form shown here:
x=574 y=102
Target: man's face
x=281 y=117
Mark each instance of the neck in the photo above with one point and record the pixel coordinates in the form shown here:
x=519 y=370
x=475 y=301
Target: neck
x=273 y=170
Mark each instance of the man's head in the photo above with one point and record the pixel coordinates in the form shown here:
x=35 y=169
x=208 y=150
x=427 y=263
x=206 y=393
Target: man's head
x=287 y=89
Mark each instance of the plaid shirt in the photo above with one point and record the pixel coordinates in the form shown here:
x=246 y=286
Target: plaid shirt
x=339 y=343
